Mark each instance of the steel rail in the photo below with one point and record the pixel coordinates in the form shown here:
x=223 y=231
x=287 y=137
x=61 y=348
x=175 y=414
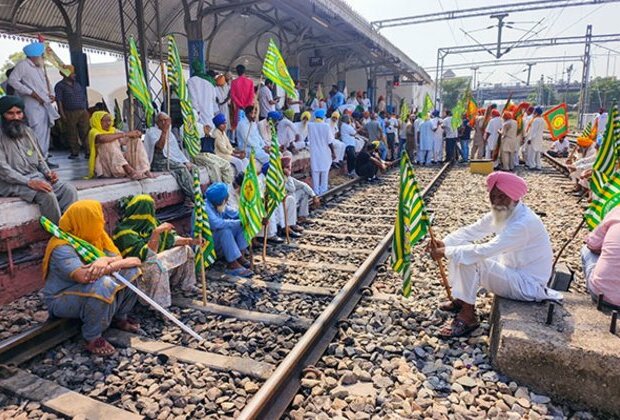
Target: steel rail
x=273 y=398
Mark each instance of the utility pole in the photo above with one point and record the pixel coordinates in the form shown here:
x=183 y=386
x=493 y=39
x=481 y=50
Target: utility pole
x=475 y=70
x=585 y=78
x=529 y=72
x=500 y=24
x=541 y=84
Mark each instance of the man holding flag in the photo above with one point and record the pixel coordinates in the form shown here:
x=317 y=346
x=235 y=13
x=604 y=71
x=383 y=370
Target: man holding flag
x=516 y=263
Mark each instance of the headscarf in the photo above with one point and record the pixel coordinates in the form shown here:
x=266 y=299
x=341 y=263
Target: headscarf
x=219 y=119
x=9 y=101
x=307 y=115
x=95 y=130
x=507 y=115
x=217 y=193
x=35 y=49
x=319 y=113
x=512 y=185
x=495 y=113
x=84 y=220
x=198 y=69
x=290 y=114
x=274 y=115
x=584 y=142
x=335 y=114
x=135 y=228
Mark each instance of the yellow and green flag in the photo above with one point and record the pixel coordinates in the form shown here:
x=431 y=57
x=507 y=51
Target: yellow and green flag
x=137 y=82
x=276 y=184
x=251 y=205
x=603 y=201
x=274 y=68
x=2 y=92
x=404 y=111
x=202 y=229
x=411 y=224
x=118 y=117
x=176 y=83
x=88 y=252
x=557 y=121
x=457 y=113
x=609 y=152
x=427 y=107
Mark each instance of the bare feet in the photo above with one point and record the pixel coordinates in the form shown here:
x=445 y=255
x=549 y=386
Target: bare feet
x=100 y=347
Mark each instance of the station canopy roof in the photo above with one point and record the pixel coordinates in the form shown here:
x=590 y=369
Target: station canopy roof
x=235 y=31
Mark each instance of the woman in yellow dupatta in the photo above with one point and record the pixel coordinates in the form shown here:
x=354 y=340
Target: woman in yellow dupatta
x=106 y=155
x=87 y=292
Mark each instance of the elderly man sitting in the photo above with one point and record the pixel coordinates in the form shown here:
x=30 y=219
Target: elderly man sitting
x=227 y=230
x=23 y=171
x=515 y=264
x=301 y=191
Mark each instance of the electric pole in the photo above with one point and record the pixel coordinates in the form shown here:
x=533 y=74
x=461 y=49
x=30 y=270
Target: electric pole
x=529 y=72
x=500 y=24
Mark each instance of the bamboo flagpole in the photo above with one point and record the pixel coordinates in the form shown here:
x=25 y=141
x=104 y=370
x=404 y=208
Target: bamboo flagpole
x=442 y=270
x=265 y=233
x=288 y=239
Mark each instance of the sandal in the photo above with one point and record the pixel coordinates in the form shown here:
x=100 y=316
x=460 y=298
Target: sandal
x=458 y=328
x=100 y=347
x=451 y=306
x=240 y=272
x=126 y=325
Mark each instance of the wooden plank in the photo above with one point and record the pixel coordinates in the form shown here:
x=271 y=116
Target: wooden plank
x=214 y=361
x=353 y=224
x=355 y=215
x=280 y=287
x=342 y=235
x=358 y=206
x=290 y=321
x=310 y=265
x=59 y=399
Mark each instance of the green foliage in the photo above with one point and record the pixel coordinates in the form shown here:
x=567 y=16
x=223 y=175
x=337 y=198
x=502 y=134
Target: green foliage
x=453 y=89
x=13 y=59
x=603 y=90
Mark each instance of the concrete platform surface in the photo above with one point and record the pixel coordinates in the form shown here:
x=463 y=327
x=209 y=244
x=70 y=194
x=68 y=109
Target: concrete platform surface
x=575 y=360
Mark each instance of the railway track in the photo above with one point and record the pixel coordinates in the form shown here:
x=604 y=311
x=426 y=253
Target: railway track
x=259 y=334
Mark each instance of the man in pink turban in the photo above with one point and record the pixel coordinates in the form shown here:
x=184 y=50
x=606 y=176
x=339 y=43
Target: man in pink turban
x=515 y=263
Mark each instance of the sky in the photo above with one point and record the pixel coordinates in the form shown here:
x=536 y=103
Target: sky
x=420 y=42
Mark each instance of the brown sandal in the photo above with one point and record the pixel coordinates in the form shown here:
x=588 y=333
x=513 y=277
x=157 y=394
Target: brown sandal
x=100 y=347
x=458 y=328
x=451 y=306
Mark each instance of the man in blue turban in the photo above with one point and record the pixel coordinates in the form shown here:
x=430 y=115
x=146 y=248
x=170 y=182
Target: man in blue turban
x=227 y=230
x=29 y=82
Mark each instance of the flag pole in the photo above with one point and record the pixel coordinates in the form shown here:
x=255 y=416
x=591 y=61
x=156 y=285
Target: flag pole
x=203 y=278
x=166 y=88
x=288 y=239
x=265 y=234
x=442 y=270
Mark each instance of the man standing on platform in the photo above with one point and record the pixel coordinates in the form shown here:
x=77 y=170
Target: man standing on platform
x=23 y=171
x=30 y=82
x=515 y=263
x=201 y=88
x=266 y=100
x=451 y=136
x=73 y=108
x=492 y=133
x=241 y=93
x=534 y=138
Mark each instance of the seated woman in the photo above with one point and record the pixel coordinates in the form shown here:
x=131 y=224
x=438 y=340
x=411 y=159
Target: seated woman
x=87 y=292
x=224 y=149
x=107 y=158
x=601 y=260
x=230 y=243
x=167 y=259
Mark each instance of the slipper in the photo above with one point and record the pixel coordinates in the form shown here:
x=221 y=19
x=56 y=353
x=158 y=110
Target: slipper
x=239 y=272
x=458 y=328
x=100 y=347
x=246 y=263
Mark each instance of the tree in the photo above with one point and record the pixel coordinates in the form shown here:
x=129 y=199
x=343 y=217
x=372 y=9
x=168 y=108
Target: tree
x=603 y=90
x=452 y=89
x=13 y=59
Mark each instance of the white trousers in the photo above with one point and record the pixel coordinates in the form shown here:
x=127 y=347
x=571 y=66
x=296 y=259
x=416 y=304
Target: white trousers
x=303 y=203
x=437 y=150
x=320 y=181
x=339 y=148
x=239 y=164
x=291 y=211
x=488 y=151
x=38 y=121
x=533 y=159
x=496 y=278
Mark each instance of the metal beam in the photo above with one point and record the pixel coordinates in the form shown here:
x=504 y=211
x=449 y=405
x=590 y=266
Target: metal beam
x=510 y=62
x=484 y=11
x=208 y=10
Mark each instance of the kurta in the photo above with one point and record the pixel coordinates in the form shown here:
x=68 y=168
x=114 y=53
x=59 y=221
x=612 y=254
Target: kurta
x=153 y=135
x=287 y=132
x=509 y=137
x=111 y=159
x=203 y=95
x=250 y=139
x=493 y=128
x=320 y=136
x=535 y=134
x=515 y=264
x=221 y=94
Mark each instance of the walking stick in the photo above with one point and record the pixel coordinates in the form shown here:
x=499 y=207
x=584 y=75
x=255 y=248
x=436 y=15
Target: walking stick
x=265 y=234
x=568 y=241
x=203 y=278
x=288 y=239
x=442 y=270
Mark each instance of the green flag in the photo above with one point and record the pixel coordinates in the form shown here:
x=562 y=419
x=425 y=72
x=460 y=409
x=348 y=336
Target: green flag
x=604 y=201
x=89 y=253
x=457 y=112
x=427 y=107
x=137 y=82
x=251 y=205
x=411 y=223
x=557 y=121
x=202 y=229
x=404 y=111
x=176 y=81
x=609 y=152
x=274 y=68
x=118 y=117
x=2 y=92
x=276 y=189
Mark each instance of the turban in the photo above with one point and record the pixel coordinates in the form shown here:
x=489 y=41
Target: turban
x=306 y=115
x=264 y=168
x=375 y=143
x=289 y=113
x=495 y=113
x=9 y=101
x=70 y=67
x=36 y=49
x=366 y=114
x=220 y=80
x=335 y=114
x=219 y=119
x=435 y=113
x=217 y=193
x=530 y=108
x=319 y=113
x=538 y=110
x=357 y=115
x=507 y=115
x=274 y=115
x=512 y=185
x=286 y=161
x=584 y=141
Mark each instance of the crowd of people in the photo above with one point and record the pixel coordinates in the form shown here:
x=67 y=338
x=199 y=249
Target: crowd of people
x=238 y=119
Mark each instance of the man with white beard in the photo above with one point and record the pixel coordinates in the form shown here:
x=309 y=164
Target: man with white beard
x=516 y=263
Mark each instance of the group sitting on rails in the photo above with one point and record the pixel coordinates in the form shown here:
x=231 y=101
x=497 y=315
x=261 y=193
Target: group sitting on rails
x=337 y=132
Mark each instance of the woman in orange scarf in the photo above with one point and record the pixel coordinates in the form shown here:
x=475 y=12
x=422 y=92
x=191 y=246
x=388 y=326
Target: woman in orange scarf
x=87 y=292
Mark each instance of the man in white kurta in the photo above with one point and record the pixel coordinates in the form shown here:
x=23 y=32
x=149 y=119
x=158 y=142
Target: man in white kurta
x=204 y=100
x=248 y=136
x=534 y=138
x=437 y=137
x=492 y=133
x=320 y=141
x=28 y=80
x=516 y=263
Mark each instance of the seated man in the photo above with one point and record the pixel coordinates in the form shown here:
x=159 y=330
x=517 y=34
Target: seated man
x=276 y=220
x=581 y=169
x=515 y=264
x=227 y=230
x=287 y=131
x=88 y=292
x=164 y=152
x=601 y=259
x=368 y=162
x=224 y=149
x=559 y=148
x=249 y=136
x=23 y=171
x=301 y=191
